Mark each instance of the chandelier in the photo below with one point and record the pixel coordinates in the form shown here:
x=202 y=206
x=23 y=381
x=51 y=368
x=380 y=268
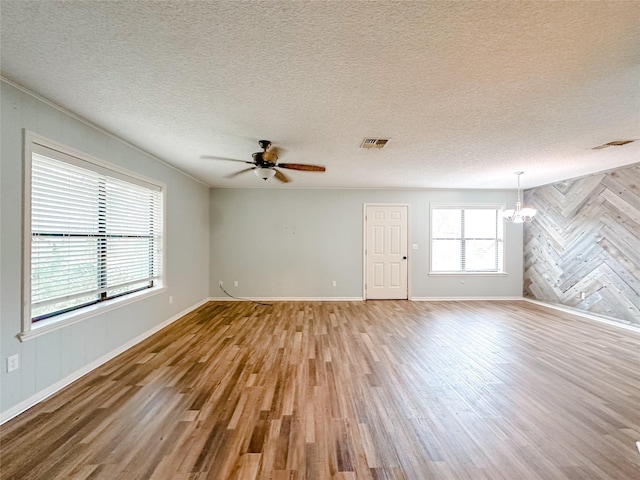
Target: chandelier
x=519 y=214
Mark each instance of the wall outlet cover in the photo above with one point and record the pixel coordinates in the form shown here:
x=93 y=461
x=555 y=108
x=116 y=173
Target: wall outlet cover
x=13 y=363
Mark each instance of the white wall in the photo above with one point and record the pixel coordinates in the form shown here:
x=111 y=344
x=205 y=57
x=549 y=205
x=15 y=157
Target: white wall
x=47 y=359
x=288 y=243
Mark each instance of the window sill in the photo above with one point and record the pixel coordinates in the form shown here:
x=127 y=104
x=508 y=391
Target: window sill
x=60 y=321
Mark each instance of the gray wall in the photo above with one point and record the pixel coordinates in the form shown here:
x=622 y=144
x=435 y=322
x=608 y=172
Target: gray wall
x=288 y=243
x=586 y=239
x=49 y=358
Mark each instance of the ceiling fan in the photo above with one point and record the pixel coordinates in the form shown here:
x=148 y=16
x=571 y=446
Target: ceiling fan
x=265 y=164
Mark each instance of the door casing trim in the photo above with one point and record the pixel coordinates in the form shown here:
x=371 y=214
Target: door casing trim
x=364 y=244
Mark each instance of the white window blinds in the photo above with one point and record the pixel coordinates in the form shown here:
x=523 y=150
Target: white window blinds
x=466 y=239
x=95 y=233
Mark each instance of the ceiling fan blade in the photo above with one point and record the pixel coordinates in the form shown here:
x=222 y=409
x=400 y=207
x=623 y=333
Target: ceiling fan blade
x=302 y=166
x=208 y=157
x=278 y=150
x=281 y=176
x=231 y=175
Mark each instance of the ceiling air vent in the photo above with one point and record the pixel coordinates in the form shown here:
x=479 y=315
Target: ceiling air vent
x=615 y=143
x=374 y=142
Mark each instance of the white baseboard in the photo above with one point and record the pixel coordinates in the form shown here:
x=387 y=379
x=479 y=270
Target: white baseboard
x=59 y=385
x=581 y=313
x=463 y=299
x=286 y=299
x=356 y=299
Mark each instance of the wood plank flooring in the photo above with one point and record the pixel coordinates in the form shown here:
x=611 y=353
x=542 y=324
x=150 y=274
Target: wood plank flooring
x=348 y=390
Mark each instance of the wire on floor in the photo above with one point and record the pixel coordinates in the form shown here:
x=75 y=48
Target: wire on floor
x=243 y=299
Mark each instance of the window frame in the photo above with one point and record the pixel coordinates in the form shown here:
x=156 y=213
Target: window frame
x=468 y=206
x=32 y=143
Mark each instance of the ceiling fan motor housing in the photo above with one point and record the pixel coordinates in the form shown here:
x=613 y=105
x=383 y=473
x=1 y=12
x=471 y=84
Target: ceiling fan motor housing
x=265 y=159
x=262 y=160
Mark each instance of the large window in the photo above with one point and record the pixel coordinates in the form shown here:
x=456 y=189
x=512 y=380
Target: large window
x=94 y=231
x=466 y=239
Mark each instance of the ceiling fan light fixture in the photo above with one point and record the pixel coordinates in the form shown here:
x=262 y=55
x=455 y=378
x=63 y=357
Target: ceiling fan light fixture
x=519 y=214
x=266 y=165
x=264 y=173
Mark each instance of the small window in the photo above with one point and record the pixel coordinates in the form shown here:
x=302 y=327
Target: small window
x=94 y=232
x=466 y=239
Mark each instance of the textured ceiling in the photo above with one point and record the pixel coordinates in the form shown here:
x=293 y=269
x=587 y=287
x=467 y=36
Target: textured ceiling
x=468 y=92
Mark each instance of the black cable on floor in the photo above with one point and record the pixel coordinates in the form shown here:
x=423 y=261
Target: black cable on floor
x=244 y=299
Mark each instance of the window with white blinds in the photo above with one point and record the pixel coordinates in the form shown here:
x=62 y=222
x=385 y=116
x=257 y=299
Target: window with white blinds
x=467 y=239
x=96 y=233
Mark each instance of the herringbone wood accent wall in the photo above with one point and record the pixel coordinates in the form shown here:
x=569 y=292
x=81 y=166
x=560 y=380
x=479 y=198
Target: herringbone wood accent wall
x=586 y=238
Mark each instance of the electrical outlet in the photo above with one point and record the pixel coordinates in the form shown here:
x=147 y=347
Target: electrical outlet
x=583 y=295
x=334 y=283
x=13 y=363
x=170 y=299
x=235 y=283
x=220 y=283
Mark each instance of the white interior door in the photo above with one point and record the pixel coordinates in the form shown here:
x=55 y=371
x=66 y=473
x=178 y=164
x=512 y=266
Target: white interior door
x=386 y=252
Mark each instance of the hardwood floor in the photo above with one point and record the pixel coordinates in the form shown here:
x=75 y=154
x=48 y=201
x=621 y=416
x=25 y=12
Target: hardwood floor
x=348 y=390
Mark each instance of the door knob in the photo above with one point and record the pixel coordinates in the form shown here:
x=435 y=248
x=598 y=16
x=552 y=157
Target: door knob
x=404 y=258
